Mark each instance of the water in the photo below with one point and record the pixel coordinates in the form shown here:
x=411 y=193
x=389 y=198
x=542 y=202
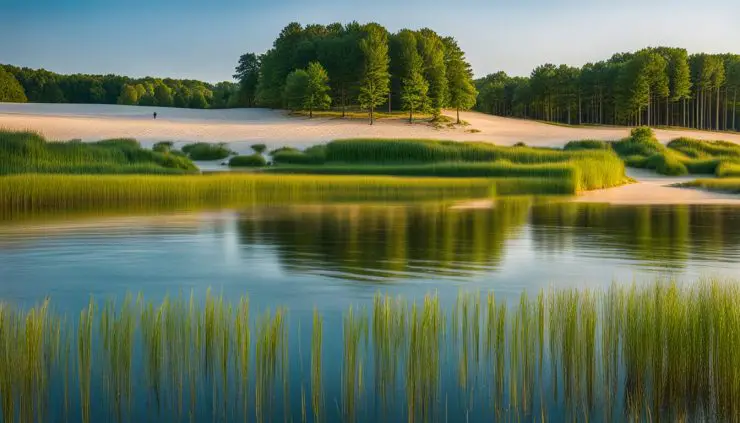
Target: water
x=329 y=257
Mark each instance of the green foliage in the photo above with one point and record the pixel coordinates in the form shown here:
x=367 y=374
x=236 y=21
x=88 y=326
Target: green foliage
x=10 y=90
x=207 y=151
x=462 y=92
x=252 y=160
x=587 y=145
x=375 y=76
x=313 y=155
x=28 y=152
x=414 y=87
x=247 y=73
x=317 y=89
x=728 y=170
x=730 y=184
x=432 y=53
x=701 y=148
x=258 y=148
x=129 y=95
x=163 y=146
x=666 y=164
x=296 y=89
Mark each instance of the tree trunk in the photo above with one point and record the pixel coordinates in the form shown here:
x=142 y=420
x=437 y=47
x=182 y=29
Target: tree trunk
x=458 y=115
x=371 y=114
x=310 y=112
x=344 y=101
x=667 y=117
x=411 y=115
x=580 y=117
x=734 y=109
x=716 y=114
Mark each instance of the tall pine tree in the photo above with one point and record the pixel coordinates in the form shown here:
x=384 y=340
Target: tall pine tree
x=459 y=78
x=375 y=77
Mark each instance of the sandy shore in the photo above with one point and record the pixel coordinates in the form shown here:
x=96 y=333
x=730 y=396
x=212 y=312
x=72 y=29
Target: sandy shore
x=243 y=127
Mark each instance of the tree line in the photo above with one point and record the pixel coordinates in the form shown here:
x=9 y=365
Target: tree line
x=41 y=86
x=653 y=86
x=352 y=65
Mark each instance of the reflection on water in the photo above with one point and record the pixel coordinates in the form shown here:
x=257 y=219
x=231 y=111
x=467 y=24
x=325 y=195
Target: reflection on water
x=324 y=255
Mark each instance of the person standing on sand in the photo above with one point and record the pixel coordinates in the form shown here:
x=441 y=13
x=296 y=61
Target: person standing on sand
x=155 y=115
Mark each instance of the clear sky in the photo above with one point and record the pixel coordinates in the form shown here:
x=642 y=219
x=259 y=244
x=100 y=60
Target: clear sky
x=202 y=39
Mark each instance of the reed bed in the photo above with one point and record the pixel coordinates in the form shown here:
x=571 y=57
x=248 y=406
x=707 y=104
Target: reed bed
x=38 y=193
x=659 y=351
x=730 y=185
x=29 y=152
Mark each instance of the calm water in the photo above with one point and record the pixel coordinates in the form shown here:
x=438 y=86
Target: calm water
x=331 y=256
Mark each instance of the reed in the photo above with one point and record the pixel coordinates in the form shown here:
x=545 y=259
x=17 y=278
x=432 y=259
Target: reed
x=29 y=152
x=37 y=193
x=660 y=351
x=729 y=185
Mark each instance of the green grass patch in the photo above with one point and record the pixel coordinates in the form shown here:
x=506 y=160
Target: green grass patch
x=729 y=185
x=29 y=152
x=587 y=145
x=252 y=160
x=728 y=170
x=32 y=193
x=207 y=151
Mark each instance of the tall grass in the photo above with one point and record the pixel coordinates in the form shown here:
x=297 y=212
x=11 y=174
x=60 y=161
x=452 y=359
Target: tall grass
x=38 y=193
x=659 y=351
x=730 y=185
x=29 y=152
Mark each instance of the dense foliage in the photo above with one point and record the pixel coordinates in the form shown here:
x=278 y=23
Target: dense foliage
x=28 y=152
x=207 y=151
x=42 y=86
x=252 y=160
x=653 y=86
x=366 y=66
x=11 y=90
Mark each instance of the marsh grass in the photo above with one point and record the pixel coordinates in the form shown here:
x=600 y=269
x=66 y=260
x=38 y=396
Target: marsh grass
x=29 y=152
x=659 y=351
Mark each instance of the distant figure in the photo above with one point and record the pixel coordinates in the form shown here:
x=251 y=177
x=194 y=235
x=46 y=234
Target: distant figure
x=155 y=115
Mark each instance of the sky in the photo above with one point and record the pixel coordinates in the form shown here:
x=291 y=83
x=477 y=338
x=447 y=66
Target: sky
x=203 y=39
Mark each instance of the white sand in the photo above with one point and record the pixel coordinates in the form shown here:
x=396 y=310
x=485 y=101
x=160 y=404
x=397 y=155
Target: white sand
x=243 y=127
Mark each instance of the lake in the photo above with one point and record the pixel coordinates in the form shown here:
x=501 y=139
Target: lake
x=328 y=257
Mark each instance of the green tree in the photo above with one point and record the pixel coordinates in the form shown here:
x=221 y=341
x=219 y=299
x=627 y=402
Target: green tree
x=259 y=148
x=459 y=78
x=296 y=88
x=162 y=95
x=11 y=90
x=247 y=73
x=432 y=52
x=129 y=96
x=317 y=90
x=198 y=100
x=375 y=77
x=733 y=83
x=414 y=87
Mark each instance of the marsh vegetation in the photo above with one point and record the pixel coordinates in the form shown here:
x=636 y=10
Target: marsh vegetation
x=633 y=352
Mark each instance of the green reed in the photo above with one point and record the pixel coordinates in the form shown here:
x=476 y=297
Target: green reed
x=660 y=351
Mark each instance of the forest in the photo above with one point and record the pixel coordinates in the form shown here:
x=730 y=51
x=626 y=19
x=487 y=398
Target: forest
x=659 y=86
x=344 y=66
x=42 y=86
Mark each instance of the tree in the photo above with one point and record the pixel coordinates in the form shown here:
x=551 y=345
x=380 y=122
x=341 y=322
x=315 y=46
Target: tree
x=11 y=90
x=247 y=73
x=317 y=97
x=129 y=96
x=198 y=100
x=459 y=78
x=733 y=82
x=162 y=95
x=296 y=86
x=375 y=77
x=259 y=148
x=182 y=97
x=414 y=87
x=432 y=52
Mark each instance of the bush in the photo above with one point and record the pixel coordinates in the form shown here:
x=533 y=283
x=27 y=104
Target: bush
x=313 y=155
x=252 y=160
x=207 y=151
x=728 y=170
x=163 y=146
x=587 y=145
x=282 y=149
x=259 y=148
x=667 y=164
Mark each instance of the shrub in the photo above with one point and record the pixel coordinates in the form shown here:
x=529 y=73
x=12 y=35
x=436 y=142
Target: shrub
x=282 y=149
x=587 y=145
x=252 y=160
x=666 y=164
x=313 y=155
x=259 y=148
x=163 y=146
x=728 y=170
x=207 y=151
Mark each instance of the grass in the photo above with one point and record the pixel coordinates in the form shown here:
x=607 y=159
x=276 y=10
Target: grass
x=730 y=185
x=207 y=151
x=659 y=351
x=252 y=160
x=580 y=169
x=38 y=193
x=29 y=152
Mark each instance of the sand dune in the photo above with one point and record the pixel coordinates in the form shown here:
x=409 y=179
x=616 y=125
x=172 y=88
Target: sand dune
x=243 y=127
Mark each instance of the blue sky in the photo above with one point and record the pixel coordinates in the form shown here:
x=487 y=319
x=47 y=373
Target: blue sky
x=202 y=39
